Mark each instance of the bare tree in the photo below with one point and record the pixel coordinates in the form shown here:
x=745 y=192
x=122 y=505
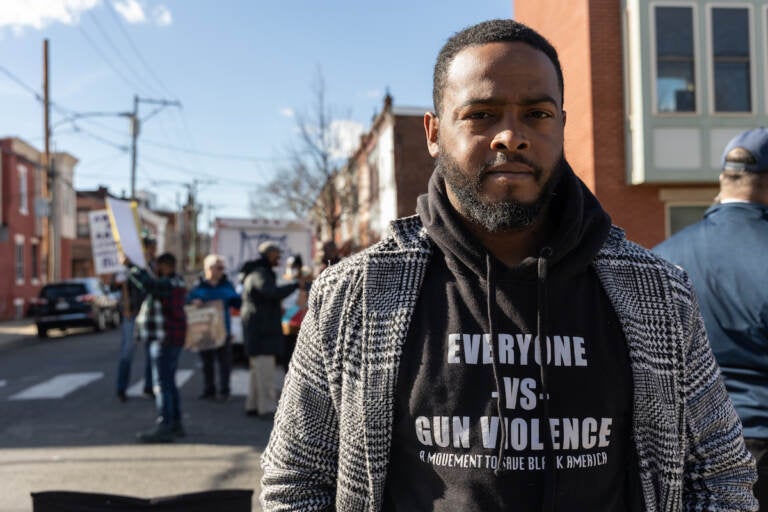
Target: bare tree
x=307 y=186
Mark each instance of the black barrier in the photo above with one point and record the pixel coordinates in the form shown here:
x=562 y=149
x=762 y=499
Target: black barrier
x=231 y=500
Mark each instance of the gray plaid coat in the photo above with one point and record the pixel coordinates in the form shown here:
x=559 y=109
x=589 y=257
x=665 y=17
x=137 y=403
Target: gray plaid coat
x=329 y=449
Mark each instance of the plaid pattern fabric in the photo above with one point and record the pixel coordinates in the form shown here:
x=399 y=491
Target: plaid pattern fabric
x=149 y=324
x=175 y=325
x=161 y=316
x=329 y=449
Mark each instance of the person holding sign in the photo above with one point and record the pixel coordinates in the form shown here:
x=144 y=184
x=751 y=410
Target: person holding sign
x=506 y=348
x=161 y=323
x=133 y=296
x=214 y=285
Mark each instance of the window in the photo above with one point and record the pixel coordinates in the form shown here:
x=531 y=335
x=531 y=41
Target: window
x=19 y=263
x=732 y=78
x=675 y=63
x=35 y=254
x=83 y=224
x=23 y=190
x=683 y=216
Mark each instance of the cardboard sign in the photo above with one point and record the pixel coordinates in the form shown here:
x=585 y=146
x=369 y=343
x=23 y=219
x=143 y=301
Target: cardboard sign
x=124 y=217
x=205 y=326
x=106 y=259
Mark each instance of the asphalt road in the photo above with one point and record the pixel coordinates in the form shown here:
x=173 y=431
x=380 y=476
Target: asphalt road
x=62 y=427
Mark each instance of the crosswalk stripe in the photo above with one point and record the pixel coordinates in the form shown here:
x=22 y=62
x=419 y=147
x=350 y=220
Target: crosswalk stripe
x=238 y=382
x=182 y=376
x=58 y=387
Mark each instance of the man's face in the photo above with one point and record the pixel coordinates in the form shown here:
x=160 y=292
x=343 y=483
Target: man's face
x=498 y=139
x=274 y=258
x=164 y=269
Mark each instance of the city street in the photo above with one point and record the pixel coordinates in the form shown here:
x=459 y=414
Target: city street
x=62 y=427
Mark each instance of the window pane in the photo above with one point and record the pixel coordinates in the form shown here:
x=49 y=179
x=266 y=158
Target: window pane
x=682 y=216
x=675 y=89
x=730 y=32
x=674 y=31
x=674 y=86
x=732 y=92
x=731 y=60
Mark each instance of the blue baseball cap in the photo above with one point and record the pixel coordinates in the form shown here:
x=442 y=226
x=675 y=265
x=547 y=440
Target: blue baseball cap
x=756 y=143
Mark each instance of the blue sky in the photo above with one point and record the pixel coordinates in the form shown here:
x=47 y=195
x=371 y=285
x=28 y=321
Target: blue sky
x=239 y=67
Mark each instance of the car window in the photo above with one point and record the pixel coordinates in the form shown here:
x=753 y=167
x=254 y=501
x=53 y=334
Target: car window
x=52 y=292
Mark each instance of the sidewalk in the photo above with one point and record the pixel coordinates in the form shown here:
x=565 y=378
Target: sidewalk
x=15 y=330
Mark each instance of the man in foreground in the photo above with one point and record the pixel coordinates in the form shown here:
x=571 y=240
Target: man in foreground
x=726 y=255
x=419 y=382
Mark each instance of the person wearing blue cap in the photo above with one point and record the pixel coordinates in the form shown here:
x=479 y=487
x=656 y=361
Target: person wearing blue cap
x=726 y=257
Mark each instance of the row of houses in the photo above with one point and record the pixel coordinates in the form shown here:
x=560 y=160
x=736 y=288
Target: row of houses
x=28 y=252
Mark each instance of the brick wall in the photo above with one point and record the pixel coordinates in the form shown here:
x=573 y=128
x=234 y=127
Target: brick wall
x=589 y=42
x=413 y=163
x=16 y=224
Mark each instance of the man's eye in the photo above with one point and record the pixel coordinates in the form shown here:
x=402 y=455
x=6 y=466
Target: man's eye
x=478 y=115
x=539 y=114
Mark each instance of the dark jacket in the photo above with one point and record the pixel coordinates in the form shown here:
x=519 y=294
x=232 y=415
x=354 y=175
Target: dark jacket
x=261 y=311
x=725 y=257
x=330 y=445
x=161 y=316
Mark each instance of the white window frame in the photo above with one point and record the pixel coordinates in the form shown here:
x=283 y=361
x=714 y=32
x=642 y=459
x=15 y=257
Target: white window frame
x=22 y=174
x=654 y=61
x=711 y=58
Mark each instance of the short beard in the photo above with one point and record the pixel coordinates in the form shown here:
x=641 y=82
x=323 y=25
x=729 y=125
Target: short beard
x=500 y=216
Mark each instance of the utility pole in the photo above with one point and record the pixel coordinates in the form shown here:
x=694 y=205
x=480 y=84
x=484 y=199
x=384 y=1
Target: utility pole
x=49 y=183
x=134 y=135
x=136 y=128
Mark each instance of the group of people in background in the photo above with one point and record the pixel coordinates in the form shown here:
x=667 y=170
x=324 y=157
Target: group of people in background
x=153 y=317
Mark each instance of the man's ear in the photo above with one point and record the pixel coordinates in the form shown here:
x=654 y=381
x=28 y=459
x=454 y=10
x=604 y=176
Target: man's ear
x=431 y=125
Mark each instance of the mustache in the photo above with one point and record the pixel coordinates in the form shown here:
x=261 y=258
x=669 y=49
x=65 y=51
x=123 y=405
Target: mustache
x=505 y=158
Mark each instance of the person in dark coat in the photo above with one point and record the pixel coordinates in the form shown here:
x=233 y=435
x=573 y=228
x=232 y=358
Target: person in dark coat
x=725 y=256
x=261 y=315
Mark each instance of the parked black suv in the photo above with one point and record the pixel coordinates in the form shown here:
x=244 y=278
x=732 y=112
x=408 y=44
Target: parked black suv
x=75 y=303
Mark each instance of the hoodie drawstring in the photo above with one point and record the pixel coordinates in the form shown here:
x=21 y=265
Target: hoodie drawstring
x=490 y=300
x=550 y=485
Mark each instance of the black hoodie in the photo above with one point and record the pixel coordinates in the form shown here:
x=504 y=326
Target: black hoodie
x=471 y=390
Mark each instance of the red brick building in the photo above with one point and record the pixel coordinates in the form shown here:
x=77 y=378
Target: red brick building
x=22 y=228
x=385 y=175
x=644 y=95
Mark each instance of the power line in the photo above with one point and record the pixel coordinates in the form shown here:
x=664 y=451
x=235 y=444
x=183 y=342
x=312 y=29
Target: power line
x=18 y=81
x=209 y=154
x=135 y=49
x=118 y=52
x=106 y=59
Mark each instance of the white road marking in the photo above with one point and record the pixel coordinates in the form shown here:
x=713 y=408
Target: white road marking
x=182 y=376
x=3 y=383
x=238 y=382
x=58 y=387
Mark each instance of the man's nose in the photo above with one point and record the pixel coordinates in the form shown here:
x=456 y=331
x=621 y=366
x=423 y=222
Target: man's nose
x=510 y=137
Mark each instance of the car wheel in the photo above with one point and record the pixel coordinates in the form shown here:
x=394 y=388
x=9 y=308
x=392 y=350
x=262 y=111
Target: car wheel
x=101 y=321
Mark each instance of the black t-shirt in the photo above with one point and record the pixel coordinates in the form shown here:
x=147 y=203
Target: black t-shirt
x=447 y=431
